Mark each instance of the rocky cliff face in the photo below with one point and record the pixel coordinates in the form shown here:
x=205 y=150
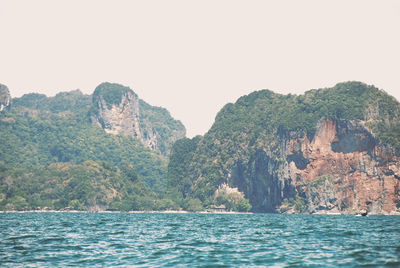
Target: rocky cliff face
x=5 y=97
x=343 y=168
x=118 y=110
x=122 y=118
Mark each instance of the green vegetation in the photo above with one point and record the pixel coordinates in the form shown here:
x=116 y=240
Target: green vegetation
x=194 y=205
x=179 y=176
x=297 y=205
x=42 y=140
x=72 y=101
x=86 y=186
x=320 y=184
x=232 y=199
x=111 y=93
x=389 y=135
x=266 y=110
x=162 y=123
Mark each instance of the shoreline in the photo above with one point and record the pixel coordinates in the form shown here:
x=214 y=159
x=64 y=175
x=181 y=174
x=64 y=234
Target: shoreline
x=393 y=213
x=130 y=212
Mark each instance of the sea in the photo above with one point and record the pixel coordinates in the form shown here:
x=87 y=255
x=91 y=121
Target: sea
x=197 y=240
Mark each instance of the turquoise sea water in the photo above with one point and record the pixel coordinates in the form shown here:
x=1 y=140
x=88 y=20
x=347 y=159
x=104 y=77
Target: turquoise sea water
x=156 y=239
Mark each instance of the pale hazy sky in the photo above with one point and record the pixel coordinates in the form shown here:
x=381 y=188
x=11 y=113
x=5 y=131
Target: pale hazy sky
x=193 y=57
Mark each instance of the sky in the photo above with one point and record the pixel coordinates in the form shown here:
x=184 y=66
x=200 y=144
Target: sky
x=193 y=57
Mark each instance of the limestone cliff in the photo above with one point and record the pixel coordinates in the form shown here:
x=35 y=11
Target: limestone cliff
x=327 y=151
x=118 y=110
x=343 y=168
x=5 y=97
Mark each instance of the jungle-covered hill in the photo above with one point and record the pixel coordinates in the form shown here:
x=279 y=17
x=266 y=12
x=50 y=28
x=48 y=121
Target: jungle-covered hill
x=265 y=147
x=52 y=155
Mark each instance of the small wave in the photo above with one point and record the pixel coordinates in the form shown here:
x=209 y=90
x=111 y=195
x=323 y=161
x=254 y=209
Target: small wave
x=393 y=264
x=21 y=237
x=51 y=240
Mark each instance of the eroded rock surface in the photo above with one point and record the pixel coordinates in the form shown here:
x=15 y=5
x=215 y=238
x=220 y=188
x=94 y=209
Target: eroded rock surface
x=118 y=110
x=348 y=169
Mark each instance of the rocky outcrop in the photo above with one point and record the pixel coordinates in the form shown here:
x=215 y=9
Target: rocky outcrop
x=5 y=98
x=118 y=110
x=342 y=168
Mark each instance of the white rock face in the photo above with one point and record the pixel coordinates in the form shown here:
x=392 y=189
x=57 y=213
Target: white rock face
x=125 y=118
x=5 y=98
x=120 y=119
